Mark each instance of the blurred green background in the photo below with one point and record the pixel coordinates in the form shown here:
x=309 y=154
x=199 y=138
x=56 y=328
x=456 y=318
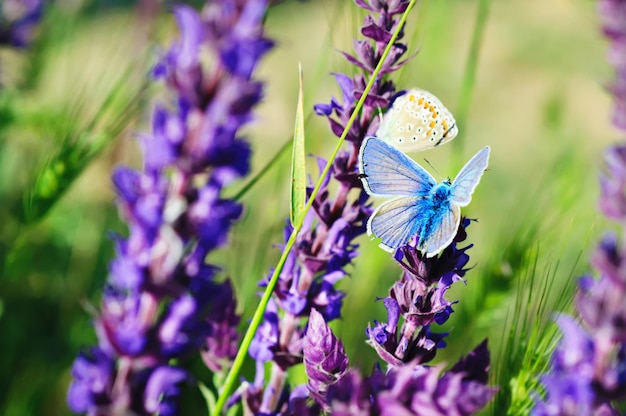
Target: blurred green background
x=73 y=105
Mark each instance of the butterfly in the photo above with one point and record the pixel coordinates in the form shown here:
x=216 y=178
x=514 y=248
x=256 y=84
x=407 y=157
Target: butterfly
x=417 y=121
x=420 y=206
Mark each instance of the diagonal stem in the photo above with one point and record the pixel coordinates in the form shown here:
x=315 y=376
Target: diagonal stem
x=258 y=314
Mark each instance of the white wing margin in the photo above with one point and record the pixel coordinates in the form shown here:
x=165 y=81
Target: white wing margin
x=468 y=178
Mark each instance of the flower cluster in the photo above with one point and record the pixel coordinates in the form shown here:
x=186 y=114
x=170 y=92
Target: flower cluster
x=325 y=245
x=419 y=298
x=589 y=363
x=162 y=301
x=411 y=388
x=18 y=20
x=409 y=385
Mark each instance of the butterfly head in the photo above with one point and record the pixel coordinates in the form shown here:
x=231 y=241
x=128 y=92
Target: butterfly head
x=441 y=193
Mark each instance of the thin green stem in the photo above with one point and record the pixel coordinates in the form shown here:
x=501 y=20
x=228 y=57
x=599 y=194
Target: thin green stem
x=258 y=314
x=469 y=77
x=250 y=184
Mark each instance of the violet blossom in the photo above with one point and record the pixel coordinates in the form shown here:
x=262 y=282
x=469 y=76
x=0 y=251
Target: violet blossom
x=18 y=21
x=325 y=246
x=419 y=299
x=588 y=366
x=161 y=301
x=408 y=389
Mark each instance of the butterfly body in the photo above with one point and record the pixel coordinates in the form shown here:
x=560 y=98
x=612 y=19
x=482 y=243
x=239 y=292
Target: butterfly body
x=417 y=121
x=419 y=206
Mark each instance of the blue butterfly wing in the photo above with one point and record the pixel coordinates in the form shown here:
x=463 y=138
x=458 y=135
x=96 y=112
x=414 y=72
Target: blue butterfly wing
x=386 y=171
x=445 y=224
x=468 y=178
x=397 y=220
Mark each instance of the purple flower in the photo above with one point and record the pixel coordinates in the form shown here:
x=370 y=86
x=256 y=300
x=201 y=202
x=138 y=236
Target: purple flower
x=589 y=364
x=92 y=375
x=162 y=390
x=415 y=390
x=613 y=13
x=161 y=303
x=223 y=340
x=325 y=246
x=18 y=21
x=324 y=358
x=419 y=299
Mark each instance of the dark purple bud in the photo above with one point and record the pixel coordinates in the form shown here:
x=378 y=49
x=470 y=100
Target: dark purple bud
x=223 y=340
x=324 y=358
x=475 y=365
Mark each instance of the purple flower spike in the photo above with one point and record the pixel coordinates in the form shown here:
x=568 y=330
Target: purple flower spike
x=325 y=245
x=223 y=340
x=324 y=358
x=408 y=390
x=589 y=364
x=613 y=13
x=161 y=302
x=419 y=299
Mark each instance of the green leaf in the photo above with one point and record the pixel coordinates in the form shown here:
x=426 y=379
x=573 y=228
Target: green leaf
x=208 y=395
x=298 y=163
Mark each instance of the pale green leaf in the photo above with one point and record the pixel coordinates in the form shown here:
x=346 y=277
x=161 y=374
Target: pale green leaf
x=298 y=163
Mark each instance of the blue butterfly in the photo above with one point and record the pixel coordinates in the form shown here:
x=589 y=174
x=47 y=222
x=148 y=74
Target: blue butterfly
x=420 y=207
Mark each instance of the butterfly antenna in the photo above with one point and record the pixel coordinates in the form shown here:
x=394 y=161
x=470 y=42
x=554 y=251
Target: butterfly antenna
x=433 y=168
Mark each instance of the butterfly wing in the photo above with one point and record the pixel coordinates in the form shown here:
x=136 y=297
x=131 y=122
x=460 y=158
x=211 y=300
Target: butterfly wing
x=468 y=178
x=386 y=171
x=417 y=121
x=396 y=221
x=446 y=225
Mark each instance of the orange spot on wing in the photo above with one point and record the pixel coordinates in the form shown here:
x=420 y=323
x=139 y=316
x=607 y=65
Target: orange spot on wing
x=432 y=125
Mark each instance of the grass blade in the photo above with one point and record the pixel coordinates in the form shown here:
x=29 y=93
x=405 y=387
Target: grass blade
x=298 y=162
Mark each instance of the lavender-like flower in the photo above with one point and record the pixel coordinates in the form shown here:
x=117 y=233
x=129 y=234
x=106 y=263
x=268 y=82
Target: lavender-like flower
x=419 y=298
x=404 y=390
x=589 y=364
x=18 y=20
x=325 y=361
x=161 y=301
x=613 y=13
x=325 y=245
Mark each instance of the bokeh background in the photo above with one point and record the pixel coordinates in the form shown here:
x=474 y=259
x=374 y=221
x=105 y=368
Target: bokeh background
x=73 y=105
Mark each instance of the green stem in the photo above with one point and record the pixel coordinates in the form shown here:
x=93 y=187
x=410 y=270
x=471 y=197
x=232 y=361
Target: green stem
x=249 y=185
x=258 y=314
x=469 y=77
